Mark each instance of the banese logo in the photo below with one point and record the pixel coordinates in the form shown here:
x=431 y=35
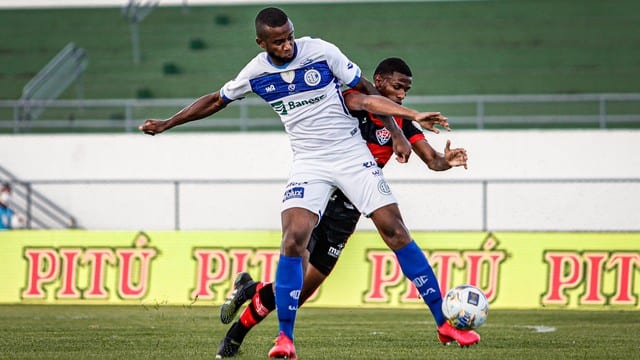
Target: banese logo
x=283 y=108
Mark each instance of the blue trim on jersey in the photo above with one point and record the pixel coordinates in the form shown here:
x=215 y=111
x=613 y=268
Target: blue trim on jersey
x=344 y=106
x=355 y=81
x=224 y=97
x=272 y=87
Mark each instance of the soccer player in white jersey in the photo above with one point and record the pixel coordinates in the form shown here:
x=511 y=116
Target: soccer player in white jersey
x=302 y=80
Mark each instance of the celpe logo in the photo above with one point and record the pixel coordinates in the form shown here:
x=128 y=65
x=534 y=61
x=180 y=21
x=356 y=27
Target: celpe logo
x=270 y=88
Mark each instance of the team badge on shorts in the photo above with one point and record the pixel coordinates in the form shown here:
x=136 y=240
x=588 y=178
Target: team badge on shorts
x=384 y=188
x=383 y=135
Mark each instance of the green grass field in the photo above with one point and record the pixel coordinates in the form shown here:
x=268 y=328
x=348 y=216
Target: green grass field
x=467 y=47
x=193 y=332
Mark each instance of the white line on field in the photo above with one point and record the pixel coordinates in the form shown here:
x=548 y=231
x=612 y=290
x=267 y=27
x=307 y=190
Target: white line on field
x=540 y=328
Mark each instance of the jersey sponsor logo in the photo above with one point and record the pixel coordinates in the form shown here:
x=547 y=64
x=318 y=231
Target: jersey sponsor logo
x=350 y=66
x=270 y=88
x=312 y=77
x=283 y=108
x=369 y=164
x=279 y=107
x=306 y=61
x=291 y=87
x=383 y=135
x=377 y=172
x=383 y=187
x=293 y=193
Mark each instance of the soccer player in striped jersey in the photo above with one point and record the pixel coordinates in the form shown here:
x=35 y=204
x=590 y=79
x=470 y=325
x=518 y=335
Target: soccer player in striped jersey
x=301 y=79
x=393 y=79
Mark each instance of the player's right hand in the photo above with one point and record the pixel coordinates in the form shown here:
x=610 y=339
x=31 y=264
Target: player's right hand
x=428 y=120
x=152 y=126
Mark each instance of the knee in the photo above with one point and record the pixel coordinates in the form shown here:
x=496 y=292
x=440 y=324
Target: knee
x=295 y=236
x=396 y=240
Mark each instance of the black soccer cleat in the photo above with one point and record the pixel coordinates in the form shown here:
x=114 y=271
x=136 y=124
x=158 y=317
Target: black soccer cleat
x=227 y=348
x=239 y=296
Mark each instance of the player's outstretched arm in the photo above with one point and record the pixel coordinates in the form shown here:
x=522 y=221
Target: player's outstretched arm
x=204 y=106
x=381 y=105
x=401 y=146
x=440 y=162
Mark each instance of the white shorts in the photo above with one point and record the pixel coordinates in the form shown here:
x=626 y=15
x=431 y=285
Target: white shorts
x=355 y=172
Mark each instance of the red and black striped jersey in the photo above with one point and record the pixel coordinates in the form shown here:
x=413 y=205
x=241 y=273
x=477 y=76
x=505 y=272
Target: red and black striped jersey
x=378 y=138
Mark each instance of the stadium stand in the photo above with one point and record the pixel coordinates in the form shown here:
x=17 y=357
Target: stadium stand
x=455 y=49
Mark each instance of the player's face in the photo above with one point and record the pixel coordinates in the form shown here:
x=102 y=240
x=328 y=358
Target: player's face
x=278 y=42
x=394 y=86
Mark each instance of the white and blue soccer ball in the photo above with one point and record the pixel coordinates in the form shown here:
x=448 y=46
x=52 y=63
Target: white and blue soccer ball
x=465 y=307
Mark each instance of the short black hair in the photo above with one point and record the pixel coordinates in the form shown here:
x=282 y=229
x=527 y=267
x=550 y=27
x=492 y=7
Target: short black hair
x=390 y=65
x=271 y=17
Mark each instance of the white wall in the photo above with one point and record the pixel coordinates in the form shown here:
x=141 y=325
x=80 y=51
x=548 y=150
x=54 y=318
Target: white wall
x=265 y=158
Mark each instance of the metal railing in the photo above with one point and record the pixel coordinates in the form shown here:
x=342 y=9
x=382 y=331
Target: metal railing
x=65 y=68
x=39 y=210
x=465 y=111
x=175 y=190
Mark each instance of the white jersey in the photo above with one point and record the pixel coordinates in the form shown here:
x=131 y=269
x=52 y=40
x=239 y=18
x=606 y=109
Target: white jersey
x=306 y=94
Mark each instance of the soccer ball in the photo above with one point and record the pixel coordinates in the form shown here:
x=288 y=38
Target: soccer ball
x=465 y=307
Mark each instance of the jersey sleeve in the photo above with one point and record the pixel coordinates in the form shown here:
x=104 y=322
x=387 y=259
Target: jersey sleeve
x=411 y=132
x=344 y=69
x=239 y=87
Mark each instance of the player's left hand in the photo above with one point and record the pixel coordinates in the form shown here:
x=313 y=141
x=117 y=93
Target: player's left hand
x=152 y=126
x=455 y=157
x=428 y=121
x=401 y=147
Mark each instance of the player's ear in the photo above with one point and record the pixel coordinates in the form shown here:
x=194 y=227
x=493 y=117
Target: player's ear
x=377 y=80
x=260 y=43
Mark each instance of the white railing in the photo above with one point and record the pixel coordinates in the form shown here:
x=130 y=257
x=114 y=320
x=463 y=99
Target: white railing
x=470 y=111
x=488 y=204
